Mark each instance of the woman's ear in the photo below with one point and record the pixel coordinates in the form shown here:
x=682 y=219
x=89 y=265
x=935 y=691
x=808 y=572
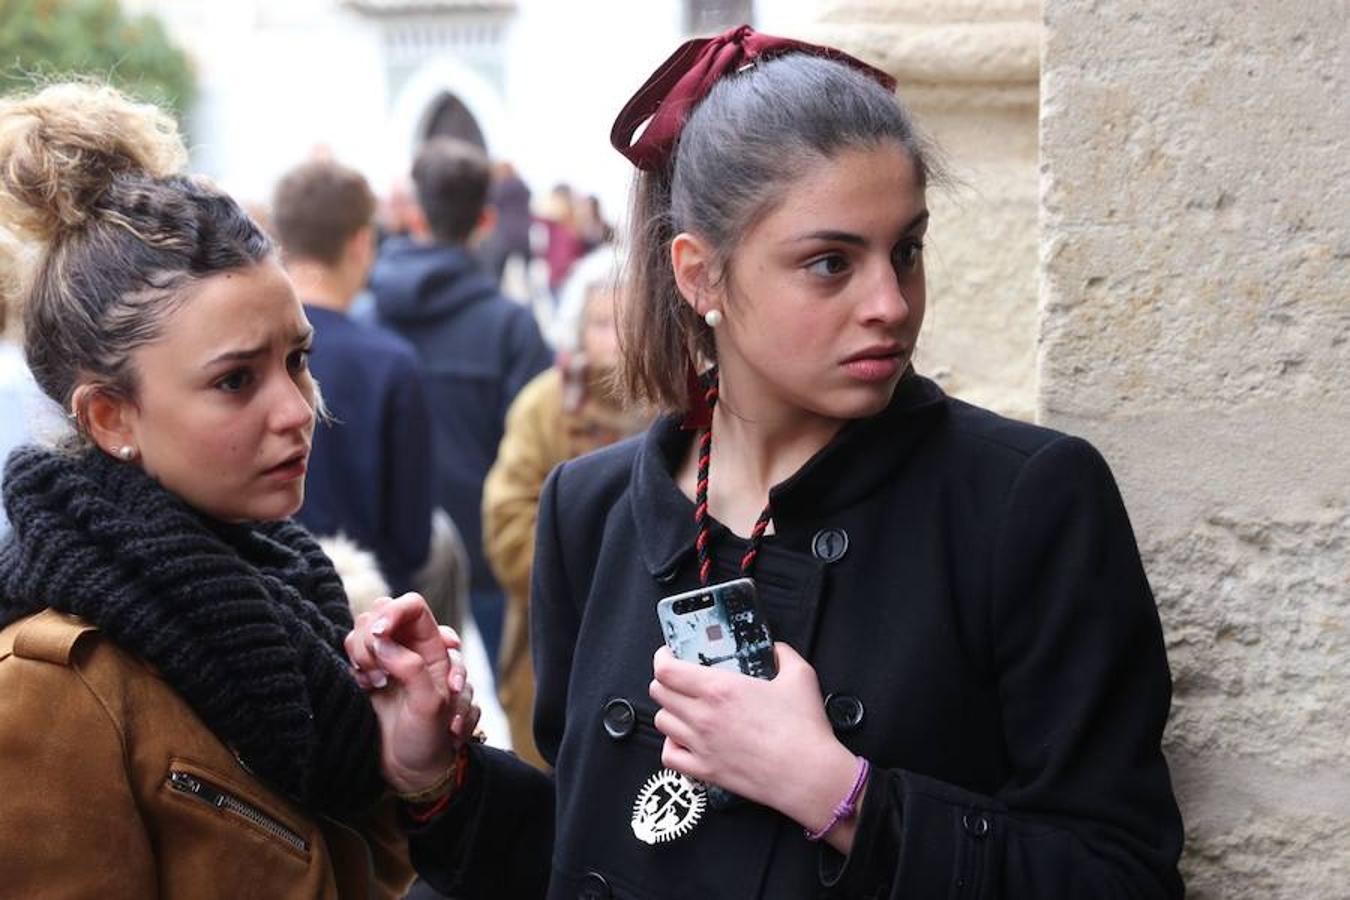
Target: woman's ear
x=691 y=261
x=107 y=418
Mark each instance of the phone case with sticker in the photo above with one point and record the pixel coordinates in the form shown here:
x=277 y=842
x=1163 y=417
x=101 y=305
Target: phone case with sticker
x=719 y=626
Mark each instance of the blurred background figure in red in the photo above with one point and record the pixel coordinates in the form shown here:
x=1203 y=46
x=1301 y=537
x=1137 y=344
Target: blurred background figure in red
x=561 y=242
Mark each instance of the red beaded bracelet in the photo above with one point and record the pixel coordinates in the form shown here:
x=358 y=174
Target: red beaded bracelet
x=424 y=812
x=848 y=806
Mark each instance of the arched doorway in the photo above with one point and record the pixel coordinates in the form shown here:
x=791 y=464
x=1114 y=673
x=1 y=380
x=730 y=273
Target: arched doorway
x=424 y=94
x=449 y=117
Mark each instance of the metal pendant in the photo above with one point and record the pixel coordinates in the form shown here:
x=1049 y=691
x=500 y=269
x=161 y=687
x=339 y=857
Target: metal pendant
x=668 y=806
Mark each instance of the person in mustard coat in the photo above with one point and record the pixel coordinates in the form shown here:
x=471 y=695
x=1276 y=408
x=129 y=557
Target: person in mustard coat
x=567 y=410
x=179 y=720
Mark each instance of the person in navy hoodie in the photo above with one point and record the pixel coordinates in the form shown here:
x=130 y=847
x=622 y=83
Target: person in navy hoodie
x=370 y=472
x=477 y=347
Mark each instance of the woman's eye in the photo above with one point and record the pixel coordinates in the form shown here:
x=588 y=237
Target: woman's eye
x=828 y=266
x=234 y=382
x=298 y=361
x=907 y=255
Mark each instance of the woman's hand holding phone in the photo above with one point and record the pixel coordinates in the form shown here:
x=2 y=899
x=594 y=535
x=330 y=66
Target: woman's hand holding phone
x=767 y=741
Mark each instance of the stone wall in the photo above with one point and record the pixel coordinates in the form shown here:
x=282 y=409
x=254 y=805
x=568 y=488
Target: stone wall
x=968 y=71
x=1195 y=324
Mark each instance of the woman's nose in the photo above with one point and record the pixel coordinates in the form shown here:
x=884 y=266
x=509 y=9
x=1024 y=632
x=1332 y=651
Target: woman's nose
x=294 y=406
x=885 y=301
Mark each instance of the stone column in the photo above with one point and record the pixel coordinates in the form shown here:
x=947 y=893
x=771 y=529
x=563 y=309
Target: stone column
x=1195 y=324
x=968 y=71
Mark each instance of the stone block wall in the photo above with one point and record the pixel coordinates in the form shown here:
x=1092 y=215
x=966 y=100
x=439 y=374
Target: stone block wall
x=1195 y=324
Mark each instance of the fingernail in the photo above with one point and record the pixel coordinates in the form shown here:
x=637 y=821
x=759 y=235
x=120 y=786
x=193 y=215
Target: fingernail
x=459 y=681
x=378 y=678
x=379 y=626
x=382 y=647
x=457 y=723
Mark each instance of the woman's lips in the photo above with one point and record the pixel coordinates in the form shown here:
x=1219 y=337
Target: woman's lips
x=289 y=470
x=874 y=367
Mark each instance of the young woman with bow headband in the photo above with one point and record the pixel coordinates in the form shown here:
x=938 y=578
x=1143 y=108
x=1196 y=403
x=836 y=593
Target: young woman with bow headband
x=971 y=684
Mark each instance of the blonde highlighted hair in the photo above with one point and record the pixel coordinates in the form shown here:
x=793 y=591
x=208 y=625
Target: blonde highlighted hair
x=93 y=195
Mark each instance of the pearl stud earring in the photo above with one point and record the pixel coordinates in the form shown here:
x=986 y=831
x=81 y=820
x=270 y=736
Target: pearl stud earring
x=126 y=453
x=713 y=317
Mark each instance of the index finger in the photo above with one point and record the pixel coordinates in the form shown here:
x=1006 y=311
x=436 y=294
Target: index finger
x=407 y=620
x=678 y=675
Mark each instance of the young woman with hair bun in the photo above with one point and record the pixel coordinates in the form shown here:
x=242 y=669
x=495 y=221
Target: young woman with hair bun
x=971 y=680
x=179 y=719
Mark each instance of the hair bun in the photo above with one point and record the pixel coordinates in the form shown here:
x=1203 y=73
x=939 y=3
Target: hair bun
x=62 y=148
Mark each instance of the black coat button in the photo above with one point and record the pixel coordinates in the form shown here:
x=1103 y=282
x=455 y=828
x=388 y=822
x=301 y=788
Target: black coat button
x=844 y=711
x=975 y=824
x=666 y=576
x=594 y=887
x=830 y=544
x=620 y=718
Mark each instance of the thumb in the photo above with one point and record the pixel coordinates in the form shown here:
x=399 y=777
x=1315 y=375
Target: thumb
x=789 y=660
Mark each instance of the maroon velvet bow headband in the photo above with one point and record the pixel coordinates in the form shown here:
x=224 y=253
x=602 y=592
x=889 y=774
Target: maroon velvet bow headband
x=682 y=81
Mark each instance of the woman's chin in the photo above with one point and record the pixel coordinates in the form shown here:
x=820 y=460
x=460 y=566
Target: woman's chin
x=265 y=509
x=860 y=404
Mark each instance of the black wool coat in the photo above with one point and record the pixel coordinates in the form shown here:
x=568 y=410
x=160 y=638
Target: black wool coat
x=969 y=591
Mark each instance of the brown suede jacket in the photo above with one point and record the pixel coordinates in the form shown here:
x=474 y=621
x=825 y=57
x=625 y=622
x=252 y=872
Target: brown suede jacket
x=112 y=787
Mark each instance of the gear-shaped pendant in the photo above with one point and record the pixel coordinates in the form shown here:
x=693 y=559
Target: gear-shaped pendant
x=668 y=807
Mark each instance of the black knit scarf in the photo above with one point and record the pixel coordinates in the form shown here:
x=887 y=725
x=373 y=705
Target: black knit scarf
x=245 y=621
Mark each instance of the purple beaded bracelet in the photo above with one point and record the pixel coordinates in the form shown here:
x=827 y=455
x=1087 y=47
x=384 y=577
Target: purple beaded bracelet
x=848 y=806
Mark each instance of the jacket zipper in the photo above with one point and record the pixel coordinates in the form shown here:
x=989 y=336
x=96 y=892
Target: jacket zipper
x=209 y=793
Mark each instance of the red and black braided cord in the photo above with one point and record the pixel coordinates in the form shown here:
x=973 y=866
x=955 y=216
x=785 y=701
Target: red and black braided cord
x=703 y=542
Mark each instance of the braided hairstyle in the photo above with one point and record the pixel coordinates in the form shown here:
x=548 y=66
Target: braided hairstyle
x=92 y=190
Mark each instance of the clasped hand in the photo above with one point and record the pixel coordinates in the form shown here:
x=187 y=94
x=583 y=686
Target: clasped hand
x=768 y=741
x=414 y=671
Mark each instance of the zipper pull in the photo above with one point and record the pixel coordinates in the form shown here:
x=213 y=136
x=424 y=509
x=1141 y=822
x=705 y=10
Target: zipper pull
x=185 y=783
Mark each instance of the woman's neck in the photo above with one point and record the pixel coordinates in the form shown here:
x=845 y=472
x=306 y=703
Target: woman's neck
x=757 y=454
x=751 y=454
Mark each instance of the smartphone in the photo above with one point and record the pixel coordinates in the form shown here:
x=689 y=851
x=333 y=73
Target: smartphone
x=719 y=626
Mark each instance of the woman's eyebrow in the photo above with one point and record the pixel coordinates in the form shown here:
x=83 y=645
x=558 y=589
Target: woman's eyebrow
x=841 y=237
x=243 y=355
x=857 y=240
x=237 y=355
